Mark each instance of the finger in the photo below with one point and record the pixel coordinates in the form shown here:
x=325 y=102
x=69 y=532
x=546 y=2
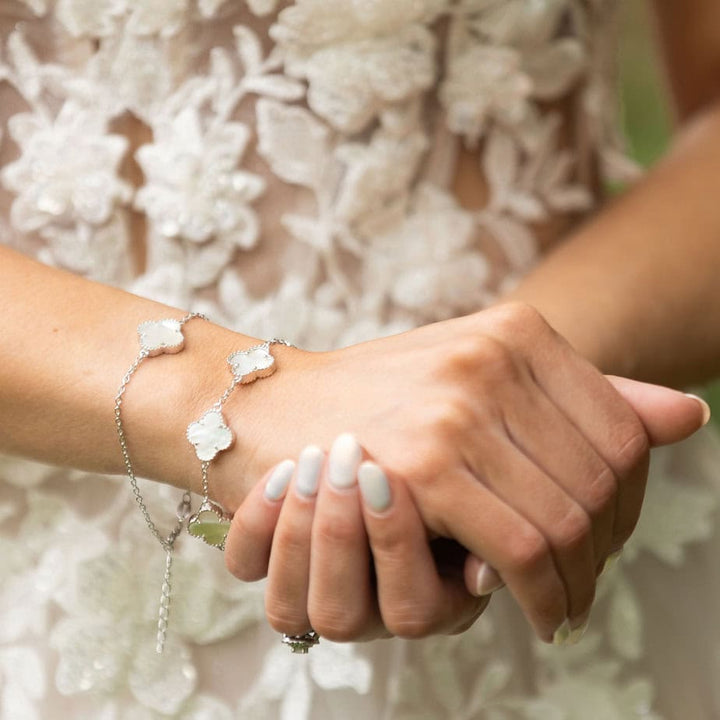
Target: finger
x=544 y=434
x=522 y=485
x=481 y=579
x=286 y=594
x=668 y=415
x=247 y=547
x=606 y=420
x=341 y=599
x=520 y=554
x=415 y=601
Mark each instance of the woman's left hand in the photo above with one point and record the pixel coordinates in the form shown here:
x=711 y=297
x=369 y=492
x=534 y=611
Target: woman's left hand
x=313 y=526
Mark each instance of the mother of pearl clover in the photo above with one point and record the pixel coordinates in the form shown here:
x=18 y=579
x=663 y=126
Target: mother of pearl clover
x=249 y=365
x=160 y=336
x=209 y=435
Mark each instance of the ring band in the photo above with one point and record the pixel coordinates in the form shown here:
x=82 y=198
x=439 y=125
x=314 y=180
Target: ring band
x=301 y=643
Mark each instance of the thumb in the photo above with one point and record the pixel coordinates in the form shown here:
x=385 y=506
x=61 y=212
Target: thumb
x=668 y=415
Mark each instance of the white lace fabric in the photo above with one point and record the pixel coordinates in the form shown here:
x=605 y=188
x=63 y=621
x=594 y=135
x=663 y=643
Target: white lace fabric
x=287 y=171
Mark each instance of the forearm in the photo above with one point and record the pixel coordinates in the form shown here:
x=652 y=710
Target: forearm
x=65 y=345
x=636 y=290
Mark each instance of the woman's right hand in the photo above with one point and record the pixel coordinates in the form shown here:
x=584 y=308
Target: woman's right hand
x=509 y=442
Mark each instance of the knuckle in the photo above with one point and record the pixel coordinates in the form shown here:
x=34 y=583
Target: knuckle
x=518 y=319
x=573 y=530
x=451 y=417
x=475 y=354
x=410 y=622
x=601 y=492
x=242 y=571
x=633 y=446
x=286 y=618
x=335 y=531
x=445 y=417
x=293 y=536
x=497 y=361
x=337 y=624
x=390 y=545
x=527 y=550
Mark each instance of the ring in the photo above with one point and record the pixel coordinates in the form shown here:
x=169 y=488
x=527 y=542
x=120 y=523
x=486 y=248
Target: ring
x=301 y=643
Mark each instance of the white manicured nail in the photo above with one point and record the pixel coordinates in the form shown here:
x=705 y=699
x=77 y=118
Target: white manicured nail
x=565 y=636
x=279 y=479
x=561 y=634
x=308 y=470
x=704 y=405
x=345 y=456
x=610 y=561
x=488 y=581
x=374 y=486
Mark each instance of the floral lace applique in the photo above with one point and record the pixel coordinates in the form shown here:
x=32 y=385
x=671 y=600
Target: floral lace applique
x=285 y=687
x=429 y=265
x=67 y=170
x=338 y=110
x=676 y=513
x=106 y=641
x=194 y=189
x=22 y=682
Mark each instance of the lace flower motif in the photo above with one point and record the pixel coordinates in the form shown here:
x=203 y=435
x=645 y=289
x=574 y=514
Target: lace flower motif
x=427 y=264
x=67 y=170
x=350 y=83
x=106 y=639
x=142 y=17
x=291 y=684
x=194 y=190
x=502 y=55
x=358 y=57
x=485 y=82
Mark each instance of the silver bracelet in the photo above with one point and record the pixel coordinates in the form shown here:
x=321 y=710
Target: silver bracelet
x=209 y=435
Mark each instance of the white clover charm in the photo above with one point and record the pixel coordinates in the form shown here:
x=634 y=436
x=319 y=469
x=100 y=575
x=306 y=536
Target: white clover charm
x=161 y=336
x=209 y=435
x=249 y=365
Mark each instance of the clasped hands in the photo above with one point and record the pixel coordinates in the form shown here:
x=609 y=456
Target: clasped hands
x=489 y=452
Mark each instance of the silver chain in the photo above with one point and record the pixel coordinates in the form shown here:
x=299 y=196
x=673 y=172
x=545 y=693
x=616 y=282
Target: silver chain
x=220 y=403
x=184 y=508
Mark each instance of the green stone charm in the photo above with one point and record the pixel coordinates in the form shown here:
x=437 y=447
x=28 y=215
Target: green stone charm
x=210 y=524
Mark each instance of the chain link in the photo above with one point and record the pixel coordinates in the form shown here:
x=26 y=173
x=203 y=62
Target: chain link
x=184 y=508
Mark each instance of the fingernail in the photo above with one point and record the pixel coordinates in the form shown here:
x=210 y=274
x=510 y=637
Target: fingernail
x=610 y=561
x=374 y=486
x=704 y=405
x=308 y=470
x=345 y=456
x=279 y=479
x=566 y=636
x=488 y=581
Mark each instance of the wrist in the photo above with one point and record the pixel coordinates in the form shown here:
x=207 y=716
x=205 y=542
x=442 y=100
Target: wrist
x=171 y=391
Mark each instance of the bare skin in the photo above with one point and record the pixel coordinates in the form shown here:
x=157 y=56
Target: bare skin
x=440 y=407
x=56 y=392
x=634 y=290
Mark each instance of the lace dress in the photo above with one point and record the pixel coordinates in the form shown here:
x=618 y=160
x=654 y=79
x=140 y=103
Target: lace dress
x=287 y=169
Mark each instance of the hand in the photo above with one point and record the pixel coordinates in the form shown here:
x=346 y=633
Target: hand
x=403 y=591
x=508 y=441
